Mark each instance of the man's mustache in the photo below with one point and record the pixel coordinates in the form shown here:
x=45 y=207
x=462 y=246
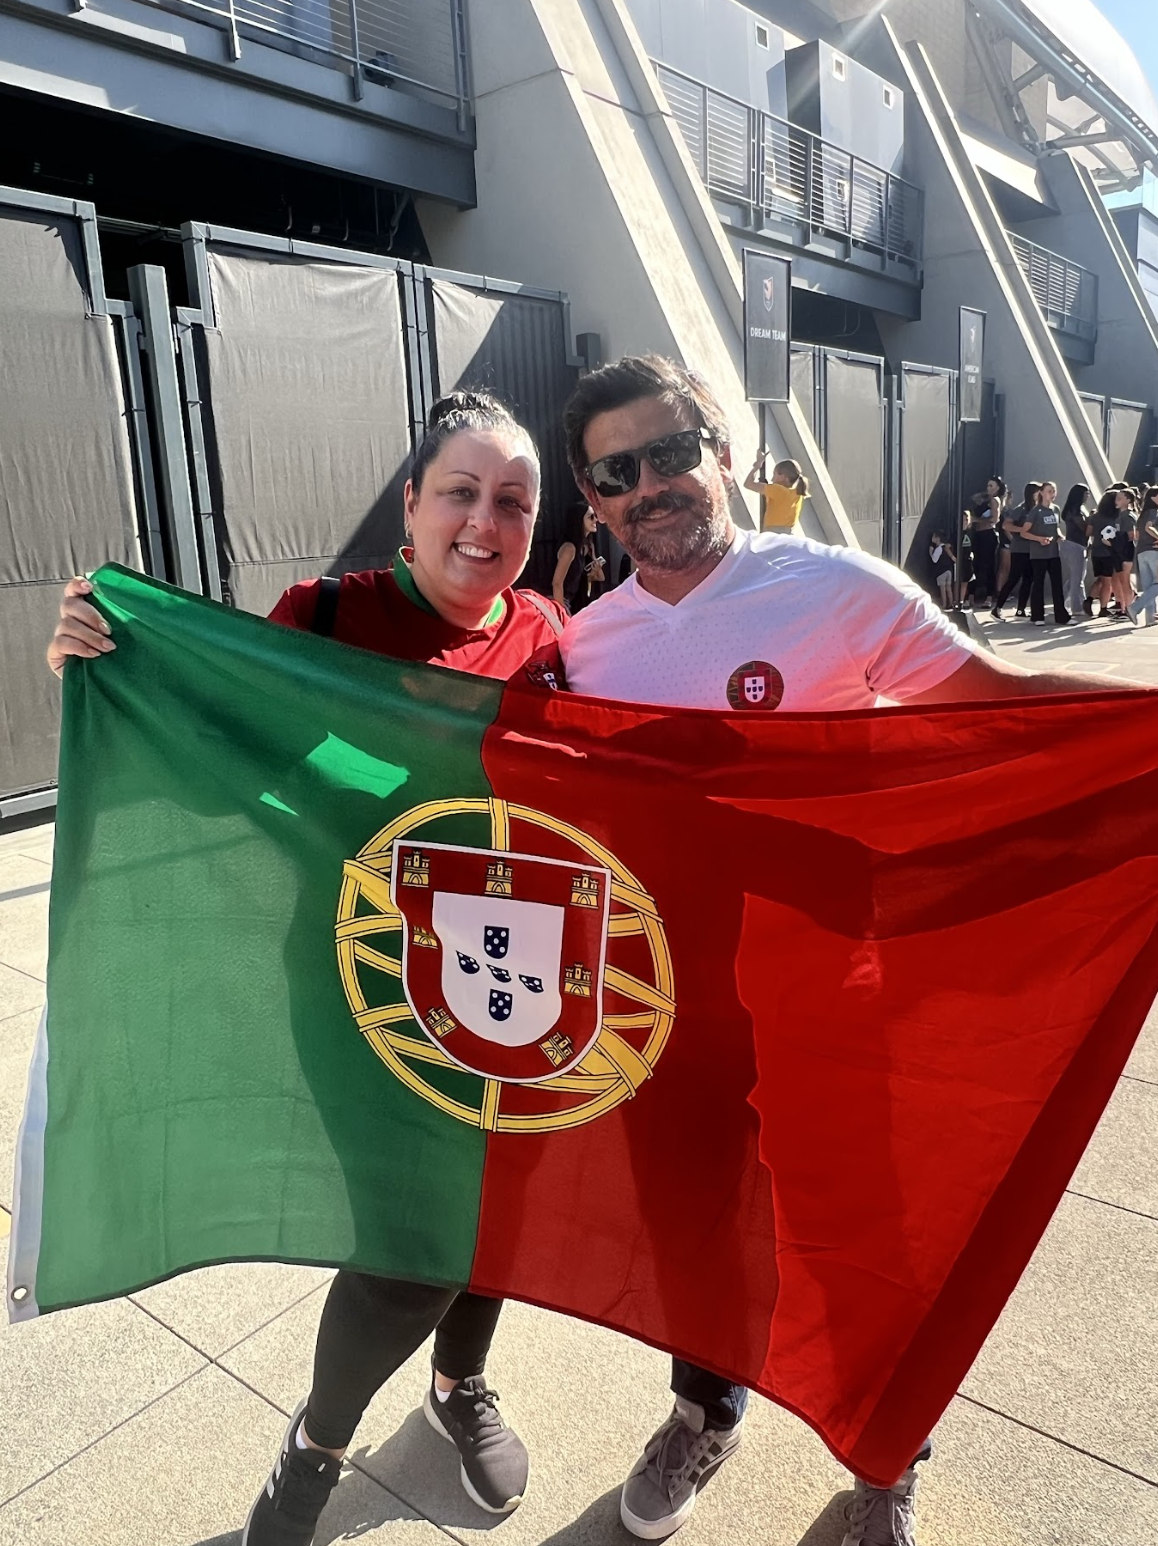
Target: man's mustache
x=668 y=502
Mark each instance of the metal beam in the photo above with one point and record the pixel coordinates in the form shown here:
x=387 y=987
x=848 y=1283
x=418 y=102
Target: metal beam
x=1010 y=108
x=1069 y=72
x=1084 y=141
x=1030 y=78
x=150 y=295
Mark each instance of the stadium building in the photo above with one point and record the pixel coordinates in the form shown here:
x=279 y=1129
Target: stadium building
x=245 y=243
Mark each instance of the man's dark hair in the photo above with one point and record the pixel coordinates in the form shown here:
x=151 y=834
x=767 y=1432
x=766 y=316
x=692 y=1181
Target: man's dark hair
x=626 y=381
x=463 y=410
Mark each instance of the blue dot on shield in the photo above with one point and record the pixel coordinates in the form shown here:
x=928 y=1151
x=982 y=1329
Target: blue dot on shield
x=496 y=942
x=500 y=1005
x=468 y=964
x=499 y=973
x=532 y=984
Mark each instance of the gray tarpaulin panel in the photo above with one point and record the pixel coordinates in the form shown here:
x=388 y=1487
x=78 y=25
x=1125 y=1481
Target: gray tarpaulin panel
x=307 y=420
x=66 y=482
x=926 y=467
x=515 y=346
x=803 y=377
x=855 y=442
x=1095 y=409
x=1128 y=440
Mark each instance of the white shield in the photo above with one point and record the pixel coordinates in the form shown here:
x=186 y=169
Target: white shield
x=510 y=998
x=754 y=689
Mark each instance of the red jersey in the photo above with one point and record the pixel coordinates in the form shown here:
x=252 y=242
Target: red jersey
x=375 y=612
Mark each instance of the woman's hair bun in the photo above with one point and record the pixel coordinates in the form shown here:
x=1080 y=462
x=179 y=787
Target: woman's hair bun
x=468 y=408
x=466 y=400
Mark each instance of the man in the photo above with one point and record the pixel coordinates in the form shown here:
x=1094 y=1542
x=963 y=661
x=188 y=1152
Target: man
x=719 y=618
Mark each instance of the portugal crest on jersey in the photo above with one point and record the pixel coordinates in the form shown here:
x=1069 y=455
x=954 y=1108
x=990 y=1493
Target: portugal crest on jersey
x=755 y=685
x=502 y=955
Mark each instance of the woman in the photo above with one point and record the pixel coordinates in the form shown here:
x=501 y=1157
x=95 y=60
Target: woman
x=984 y=519
x=1017 y=524
x=578 y=575
x=783 y=498
x=470 y=507
x=1146 y=558
x=1126 y=502
x=1075 y=535
x=1004 y=552
x=1044 y=537
x=1105 y=557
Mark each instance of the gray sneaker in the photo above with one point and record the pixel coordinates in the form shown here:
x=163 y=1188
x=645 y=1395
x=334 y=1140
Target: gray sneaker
x=880 y=1516
x=680 y=1458
x=494 y=1462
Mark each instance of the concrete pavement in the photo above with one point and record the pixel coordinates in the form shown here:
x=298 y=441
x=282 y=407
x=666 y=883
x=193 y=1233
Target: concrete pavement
x=152 y=1421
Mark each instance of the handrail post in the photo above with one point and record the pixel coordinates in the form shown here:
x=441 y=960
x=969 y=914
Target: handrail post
x=707 y=131
x=356 y=53
x=234 y=35
x=458 y=39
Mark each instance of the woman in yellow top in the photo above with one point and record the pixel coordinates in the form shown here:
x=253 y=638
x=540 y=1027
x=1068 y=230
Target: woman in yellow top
x=783 y=497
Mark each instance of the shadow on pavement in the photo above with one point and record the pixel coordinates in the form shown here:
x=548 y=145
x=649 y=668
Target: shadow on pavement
x=597 y=1525
x=423 y=1471
x=828 y=1529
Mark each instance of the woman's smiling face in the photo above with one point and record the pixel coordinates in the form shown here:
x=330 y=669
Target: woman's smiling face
x=471 y=522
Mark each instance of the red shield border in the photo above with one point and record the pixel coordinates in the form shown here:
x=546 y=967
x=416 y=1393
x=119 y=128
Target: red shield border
x=583 y=890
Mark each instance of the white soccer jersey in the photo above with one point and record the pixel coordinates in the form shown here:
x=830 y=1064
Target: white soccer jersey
x=780 y=621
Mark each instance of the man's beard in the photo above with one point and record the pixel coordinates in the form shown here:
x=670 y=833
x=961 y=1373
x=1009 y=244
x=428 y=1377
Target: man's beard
x=675 y=547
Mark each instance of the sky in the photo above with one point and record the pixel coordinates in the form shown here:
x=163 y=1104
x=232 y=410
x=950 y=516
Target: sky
x=1135 y=20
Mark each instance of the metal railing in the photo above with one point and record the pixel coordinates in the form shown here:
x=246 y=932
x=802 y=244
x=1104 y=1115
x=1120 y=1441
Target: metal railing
x=783 y=173
x=1066 y=293
x=419 y=44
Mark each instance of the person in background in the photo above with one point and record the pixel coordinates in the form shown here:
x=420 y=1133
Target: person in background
x=1103 y=556
x=1146 y=559
x=1126 y=504
x=941 y=557
x=984 y=515
x=1075 y=536
x=1044 y=537
x=783 y=498
x=966 y=574
x=578 y=576
x=1017 y=524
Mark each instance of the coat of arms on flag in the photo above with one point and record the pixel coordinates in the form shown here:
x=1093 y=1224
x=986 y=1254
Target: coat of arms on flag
x=502 y=955
x=517 y=990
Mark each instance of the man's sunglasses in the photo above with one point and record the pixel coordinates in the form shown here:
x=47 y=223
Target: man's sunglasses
x=669 y=456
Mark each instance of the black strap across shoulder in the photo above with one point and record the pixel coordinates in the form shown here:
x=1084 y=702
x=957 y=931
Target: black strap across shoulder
x=326 y=611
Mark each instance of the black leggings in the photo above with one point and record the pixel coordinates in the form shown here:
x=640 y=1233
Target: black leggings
x=370 y=1326
x=1020 y=568
x=984 y=564
x=1041 y=567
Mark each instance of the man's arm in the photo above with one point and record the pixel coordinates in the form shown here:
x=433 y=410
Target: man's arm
x=984 y=676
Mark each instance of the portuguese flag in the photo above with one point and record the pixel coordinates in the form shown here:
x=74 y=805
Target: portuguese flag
x=769 y=1039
